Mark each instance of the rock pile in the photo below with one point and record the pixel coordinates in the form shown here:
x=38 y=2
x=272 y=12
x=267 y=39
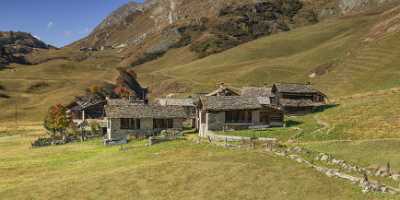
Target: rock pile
x=363 y=182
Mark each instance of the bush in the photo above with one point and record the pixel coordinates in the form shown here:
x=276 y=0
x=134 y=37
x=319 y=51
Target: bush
x=44 y=142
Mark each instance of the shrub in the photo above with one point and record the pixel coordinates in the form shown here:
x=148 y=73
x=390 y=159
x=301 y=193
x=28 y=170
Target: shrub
x=57 y=121
x=42 y=142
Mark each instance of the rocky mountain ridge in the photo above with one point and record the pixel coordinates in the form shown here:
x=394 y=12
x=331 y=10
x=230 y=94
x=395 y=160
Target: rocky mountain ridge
x=142 y=32
x=15 y=46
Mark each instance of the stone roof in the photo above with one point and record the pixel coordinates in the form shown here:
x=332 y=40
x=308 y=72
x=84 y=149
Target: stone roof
x=295 y=88
x=264 y=100
x=188 y=102
x=124 y=102
x=257 y=92
x=146 y=111
x=219 y=103
x=223 y=91
x=84 y=102
x=299 y=102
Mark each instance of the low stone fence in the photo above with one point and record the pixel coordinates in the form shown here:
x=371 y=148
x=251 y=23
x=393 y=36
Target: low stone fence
x=321 y=162
x=228 y=138
x=44 y=142
x=363 y=181
x=159 y=139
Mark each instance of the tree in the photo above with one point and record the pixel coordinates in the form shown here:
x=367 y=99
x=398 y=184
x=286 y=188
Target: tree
x=122 y=92
x=57 y=121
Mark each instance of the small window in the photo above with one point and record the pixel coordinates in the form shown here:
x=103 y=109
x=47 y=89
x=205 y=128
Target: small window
x=130 y=124
x=238 y=116
x=163 y=123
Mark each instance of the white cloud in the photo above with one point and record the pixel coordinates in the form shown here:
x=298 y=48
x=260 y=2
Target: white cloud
x=50 y=25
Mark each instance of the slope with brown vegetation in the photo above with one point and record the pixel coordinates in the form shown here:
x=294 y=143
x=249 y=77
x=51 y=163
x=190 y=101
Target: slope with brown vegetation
x=334 y=55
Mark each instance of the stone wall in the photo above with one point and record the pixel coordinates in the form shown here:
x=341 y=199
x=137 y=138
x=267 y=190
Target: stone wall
x=114 y=130
x=216 y=121
x=255 y=117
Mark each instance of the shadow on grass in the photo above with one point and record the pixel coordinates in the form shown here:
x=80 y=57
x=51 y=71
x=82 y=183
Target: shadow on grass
x=4 y=96
x=325 y=107
x=292 y=123
x=4 y=67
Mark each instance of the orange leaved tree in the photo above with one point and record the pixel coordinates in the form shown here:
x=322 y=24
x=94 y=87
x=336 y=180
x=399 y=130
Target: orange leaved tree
x=57 y=121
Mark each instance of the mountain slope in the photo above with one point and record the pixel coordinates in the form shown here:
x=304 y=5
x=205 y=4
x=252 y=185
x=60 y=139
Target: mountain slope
x=336 y=55
x=343 y=55
x=15 y=46
x=143 y=32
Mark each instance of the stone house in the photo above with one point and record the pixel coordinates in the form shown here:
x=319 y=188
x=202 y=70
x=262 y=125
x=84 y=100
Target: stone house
x=259 y=92
x=298 y=99
x=218 y=113
x=187 y=103
x=142 y=119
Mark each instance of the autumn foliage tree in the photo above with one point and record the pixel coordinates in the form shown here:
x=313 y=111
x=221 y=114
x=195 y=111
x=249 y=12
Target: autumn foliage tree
x=122 y=92
x=57 y=121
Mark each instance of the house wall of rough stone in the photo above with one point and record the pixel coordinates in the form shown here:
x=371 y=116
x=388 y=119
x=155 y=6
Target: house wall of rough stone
x=216 y=121
x=255 y=117
x=178 y=123
x=114 y=130
x=146 y=124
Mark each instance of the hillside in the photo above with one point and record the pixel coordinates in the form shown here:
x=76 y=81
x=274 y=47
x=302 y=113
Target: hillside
x=341 y=55
x=15 y=47
x=143 y=32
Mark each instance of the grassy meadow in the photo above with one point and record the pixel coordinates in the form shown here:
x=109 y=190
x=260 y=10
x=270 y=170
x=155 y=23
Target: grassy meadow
x=173 y=170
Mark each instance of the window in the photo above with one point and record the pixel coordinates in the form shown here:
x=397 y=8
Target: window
x=163 y=123
x=238 y=116
x=130 y=124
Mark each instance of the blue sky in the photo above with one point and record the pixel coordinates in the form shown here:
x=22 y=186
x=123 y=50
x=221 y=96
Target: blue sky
x=57 y=22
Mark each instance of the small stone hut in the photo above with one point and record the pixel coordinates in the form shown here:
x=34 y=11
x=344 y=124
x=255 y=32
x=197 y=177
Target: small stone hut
x=218 y=113
x=142 y=119
x=298 y=99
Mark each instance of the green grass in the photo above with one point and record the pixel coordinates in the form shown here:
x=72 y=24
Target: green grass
x=292 y=57
x=364 y=116
x=365 y=153
x=173 y=170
